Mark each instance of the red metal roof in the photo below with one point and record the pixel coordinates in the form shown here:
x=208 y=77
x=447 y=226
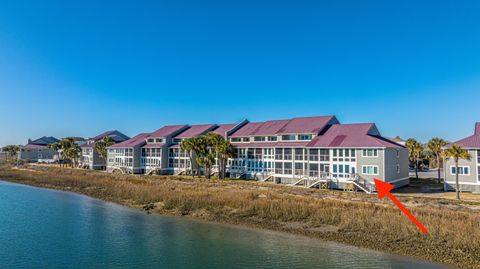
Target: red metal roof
x=138 y=140
x=471 y=141
x=352 y=135
x=34 y=146
x=247 y=129
x=154 y=145
x=196 y=130
x=223 y=128
x=304 y=125
x=168 y=130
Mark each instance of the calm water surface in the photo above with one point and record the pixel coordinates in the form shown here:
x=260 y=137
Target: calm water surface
x=42 y=228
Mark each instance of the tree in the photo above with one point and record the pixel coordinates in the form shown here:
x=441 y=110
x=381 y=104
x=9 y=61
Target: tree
x=456 y=153
x=188 y=145
x=222 y=149
x=12 y=150
x=415 y=151
x=68 y=150
x=56 y=147
x=434 y=147
x=101 y=147
x=72 y=153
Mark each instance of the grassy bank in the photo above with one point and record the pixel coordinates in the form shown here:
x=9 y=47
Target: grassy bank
x=353 y=218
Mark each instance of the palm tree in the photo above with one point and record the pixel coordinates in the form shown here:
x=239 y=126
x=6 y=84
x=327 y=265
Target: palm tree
x=101 y=147
x=65 y=146
x=415 y=150
x=188 y=145
x=12 y=150
x=456 y=153
x=55 y=147
x=434 y=147
x=72 y=153
x=223 y=151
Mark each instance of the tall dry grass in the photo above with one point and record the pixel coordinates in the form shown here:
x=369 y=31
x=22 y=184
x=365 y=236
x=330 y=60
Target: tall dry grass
x=357 y=219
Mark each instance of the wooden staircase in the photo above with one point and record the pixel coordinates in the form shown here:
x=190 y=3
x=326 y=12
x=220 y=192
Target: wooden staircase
x=363 y=184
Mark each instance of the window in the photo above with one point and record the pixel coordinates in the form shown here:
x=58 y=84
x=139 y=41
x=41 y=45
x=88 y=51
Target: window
x=398 y=169
x=287 y=154
x=304 y=137
x=313 y=153
x=478 y=156
x=298 y=169
x=288 y=137
x=279 y=154
x=259 y=138
x=299 y=154
x=177 y=140
x=313 y=170
x=370 y=170
x=370 y=153
x=150 y=140
x=398 y=153
x=272 y=138
x=462 y=170
x=235 y=139
x=159 y=140
x=245 y=139
x=287 y=168
x=324 y=155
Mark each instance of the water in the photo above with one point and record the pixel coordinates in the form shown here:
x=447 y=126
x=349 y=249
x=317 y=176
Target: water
x=42 y=228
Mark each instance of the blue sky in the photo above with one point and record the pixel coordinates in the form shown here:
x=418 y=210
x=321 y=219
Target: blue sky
x=77 y=68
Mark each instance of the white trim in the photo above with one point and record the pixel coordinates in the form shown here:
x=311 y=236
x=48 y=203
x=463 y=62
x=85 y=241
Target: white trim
x=373 y=156
x=464 y=183
x=397 y=180
x=372 y=165
x=460 y=166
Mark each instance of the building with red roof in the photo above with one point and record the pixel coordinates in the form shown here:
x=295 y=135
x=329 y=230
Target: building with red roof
x=37 y=150
x=310 y=151
x=468 y=170
x=90 y=157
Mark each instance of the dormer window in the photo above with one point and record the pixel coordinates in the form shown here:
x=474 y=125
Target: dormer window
x=150 y=140
x=235 y=139
x=304 y=137
x=259 y=138
x=159 y=140
x=272 y=138
x=289 y=137
x=245 y=139
x=177 y=140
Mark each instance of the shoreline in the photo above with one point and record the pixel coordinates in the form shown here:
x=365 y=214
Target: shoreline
x=87 y=183
x=236 y=227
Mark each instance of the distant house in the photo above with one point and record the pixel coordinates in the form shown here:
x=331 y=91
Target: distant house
x=469 y=171
x=38 y=151
x=90 y=158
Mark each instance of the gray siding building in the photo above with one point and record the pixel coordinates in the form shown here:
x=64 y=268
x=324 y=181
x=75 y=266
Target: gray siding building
x=38 y=151
x=469 y=171
x=90 y=158
x=308 y=151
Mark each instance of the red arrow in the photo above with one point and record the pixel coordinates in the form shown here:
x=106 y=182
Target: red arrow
x=384 y=188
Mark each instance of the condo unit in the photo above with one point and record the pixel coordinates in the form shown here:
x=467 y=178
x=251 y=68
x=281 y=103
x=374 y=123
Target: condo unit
x=90 y=158
x=468 y=170
x=38 y=151
x=308 y=151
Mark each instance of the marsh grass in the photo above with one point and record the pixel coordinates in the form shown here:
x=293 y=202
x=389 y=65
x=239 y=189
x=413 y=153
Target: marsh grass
x=359 y=219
